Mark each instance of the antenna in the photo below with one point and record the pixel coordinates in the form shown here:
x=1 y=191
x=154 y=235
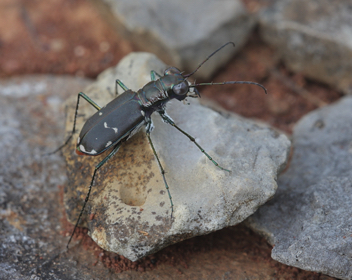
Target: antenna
x=189 y=75
x=231 y=83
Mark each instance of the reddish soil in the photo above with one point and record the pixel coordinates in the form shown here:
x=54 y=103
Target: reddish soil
x=56 y=37
x=70 y=37
x=290 y=96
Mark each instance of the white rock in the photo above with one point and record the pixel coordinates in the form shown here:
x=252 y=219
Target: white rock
x=129 y=199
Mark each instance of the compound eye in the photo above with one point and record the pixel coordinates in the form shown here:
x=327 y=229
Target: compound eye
x=181 y=88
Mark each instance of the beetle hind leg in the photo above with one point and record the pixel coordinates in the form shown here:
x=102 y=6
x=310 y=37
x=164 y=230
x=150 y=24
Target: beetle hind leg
x=91 y=102
x=97 y=167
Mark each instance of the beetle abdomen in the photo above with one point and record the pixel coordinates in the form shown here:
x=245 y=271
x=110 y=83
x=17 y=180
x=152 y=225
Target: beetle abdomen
x=110 y=124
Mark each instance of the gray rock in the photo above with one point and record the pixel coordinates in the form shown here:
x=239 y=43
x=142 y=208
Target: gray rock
x=309 y=220
x=129 y=210
x=182 y=37
x=31 y=124
x=313 y=37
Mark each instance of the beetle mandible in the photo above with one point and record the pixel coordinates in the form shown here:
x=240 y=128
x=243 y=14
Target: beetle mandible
x=122 y=117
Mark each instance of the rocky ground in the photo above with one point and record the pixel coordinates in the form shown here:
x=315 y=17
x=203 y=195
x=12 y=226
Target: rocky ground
x=50 y=50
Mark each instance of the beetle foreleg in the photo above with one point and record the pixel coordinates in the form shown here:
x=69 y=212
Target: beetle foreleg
x=153 y=75
x=171 y=122
x=167 y=118
x=100 y=164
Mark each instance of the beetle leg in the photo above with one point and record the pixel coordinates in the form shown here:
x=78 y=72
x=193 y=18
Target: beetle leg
x=100 y=164
x=121 y=84
x=195 y=94
x=153 y=75
x=168 y=120
x=150 y=125
x=91 y=102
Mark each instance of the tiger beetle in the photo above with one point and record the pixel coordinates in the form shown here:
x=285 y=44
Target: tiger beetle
x=120 y=119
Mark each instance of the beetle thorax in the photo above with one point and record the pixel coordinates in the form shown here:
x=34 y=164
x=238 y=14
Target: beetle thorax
x=164 y=89
x=151 y=93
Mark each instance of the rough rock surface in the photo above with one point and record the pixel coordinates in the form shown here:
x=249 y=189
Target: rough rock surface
x=309 y=220
x=182 y=37
x=313 y=37
x=32 y=222
x=30 y=210
x=129 y=210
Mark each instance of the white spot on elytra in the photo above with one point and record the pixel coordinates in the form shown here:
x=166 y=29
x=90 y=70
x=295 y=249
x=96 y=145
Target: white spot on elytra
x=83 y=149
x=108 y=144
x=100 y=113
x=142 y=112
x=114 y=128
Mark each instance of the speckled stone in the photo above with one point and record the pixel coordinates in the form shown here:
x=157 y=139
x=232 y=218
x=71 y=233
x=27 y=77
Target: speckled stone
x=309 y=220
x=129 y=201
